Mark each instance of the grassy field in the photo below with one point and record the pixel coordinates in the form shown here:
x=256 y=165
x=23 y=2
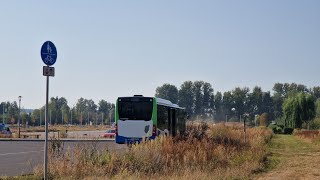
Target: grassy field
x=292 y=158
x=205 y=152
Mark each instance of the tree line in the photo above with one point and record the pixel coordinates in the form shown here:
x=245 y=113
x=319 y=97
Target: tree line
x=201 y=102
x=86 y=111
x=289 y=104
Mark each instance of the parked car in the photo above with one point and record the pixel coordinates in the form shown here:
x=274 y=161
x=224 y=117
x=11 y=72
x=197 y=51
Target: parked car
x=111 y=133
x=5 y=130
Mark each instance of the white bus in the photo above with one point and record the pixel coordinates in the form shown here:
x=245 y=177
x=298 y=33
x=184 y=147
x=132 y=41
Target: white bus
x=139 y=117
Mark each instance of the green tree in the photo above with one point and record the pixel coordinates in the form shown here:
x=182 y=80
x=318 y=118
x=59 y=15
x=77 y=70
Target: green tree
x=267 y=104
x=298 y=109
x=240 y=100
x=198 y=97
x=80 y=110
x=169 y=92
x=316 y=91
x=227 y=102
x=218 y=106
x=256 y=100
x=106 y=109
x=35 y=117
x=208 y=100
x=186 y=96
x=13 y=112
x=318 y=108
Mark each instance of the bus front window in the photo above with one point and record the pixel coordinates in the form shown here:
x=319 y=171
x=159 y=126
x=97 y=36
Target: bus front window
x=135 y=110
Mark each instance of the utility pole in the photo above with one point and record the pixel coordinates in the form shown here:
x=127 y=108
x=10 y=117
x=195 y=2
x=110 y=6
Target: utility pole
x=40 y=117
x=102 y=119
x=244 y=127
x=96 y=118
x=110 y=113
x=81 y=119
x=3 y=112
x=88 y=119
x=19 y=117
x=71 y=116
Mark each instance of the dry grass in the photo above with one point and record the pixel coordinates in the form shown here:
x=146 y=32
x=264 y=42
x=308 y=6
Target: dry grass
x=60 y=128
x=4 y=136
x=205 y=152
x=309 y=135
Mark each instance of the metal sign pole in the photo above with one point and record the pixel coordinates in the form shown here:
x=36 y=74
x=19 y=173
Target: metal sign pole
x=49 y=56
x=46 y=130
x=244 y=128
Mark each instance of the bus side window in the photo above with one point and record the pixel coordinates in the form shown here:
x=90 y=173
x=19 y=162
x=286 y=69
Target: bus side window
x=162 y=117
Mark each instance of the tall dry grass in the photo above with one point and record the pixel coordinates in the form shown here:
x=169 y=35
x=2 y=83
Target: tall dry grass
x=205 y=152
x=309 y=135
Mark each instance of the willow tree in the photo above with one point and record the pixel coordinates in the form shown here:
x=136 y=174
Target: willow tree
x=298 y=109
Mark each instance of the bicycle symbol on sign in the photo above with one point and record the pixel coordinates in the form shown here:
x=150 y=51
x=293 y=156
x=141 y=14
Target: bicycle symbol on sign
x=49 y=54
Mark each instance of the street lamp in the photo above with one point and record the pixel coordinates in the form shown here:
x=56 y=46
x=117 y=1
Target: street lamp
x=102 y=118
x=233 y=110
x=71 y=115
x=110 y=112
x=19 y=117
x=3 y=112
x=40 y=118
x=244 y=125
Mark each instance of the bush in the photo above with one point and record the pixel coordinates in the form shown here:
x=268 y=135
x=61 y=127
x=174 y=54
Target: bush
x=264 y=119
x=287 y=130
x=233 y=119
x=315 y=124
x=63 y=134
x=277 y=129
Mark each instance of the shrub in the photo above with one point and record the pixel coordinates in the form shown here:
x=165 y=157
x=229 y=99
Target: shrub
x=275 y=128
x=315 y=124
x=264 y=119
x=287 y=130
x=63 y=134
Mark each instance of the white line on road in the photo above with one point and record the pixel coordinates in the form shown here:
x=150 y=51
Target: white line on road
x=6 y=154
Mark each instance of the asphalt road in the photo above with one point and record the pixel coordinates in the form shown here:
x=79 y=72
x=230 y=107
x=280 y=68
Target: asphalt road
x=20 y=157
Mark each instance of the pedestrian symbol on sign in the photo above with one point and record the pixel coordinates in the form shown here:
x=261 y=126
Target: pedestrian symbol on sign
x=48 y=53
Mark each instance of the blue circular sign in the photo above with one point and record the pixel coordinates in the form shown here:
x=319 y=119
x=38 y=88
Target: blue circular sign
x=48 y=53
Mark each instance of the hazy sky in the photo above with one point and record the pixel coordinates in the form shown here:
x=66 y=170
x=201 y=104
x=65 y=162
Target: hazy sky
x=117 y=48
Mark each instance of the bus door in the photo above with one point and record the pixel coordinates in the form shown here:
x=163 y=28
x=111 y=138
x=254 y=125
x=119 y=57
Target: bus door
x=169 y=120
x=173 y=122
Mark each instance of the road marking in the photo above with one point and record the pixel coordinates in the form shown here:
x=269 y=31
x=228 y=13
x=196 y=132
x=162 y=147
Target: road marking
x=6 y=154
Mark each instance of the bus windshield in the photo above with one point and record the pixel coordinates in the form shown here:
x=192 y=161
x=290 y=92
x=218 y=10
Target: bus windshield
x=135 y=110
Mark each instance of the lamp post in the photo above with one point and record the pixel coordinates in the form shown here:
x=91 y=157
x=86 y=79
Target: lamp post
x=110 y=112
x=244 y=126
x=19 y=117
x=3 y=112
x=233 y=110
x=96 y=119
x=88 y=119
x=62 y=118
x=40 y=117
x=71 y=116
x=102 y=119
